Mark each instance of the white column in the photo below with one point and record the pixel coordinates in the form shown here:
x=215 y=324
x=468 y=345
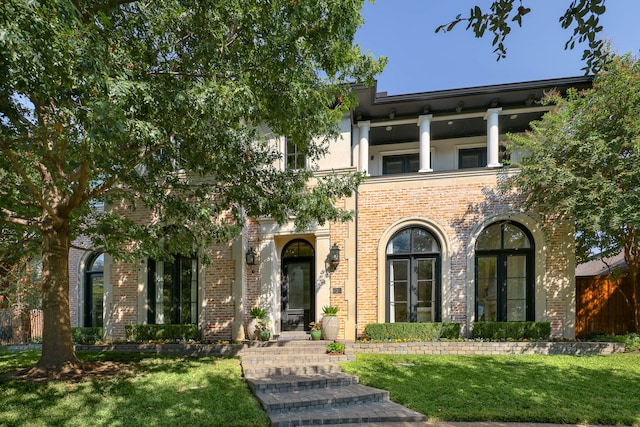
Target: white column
x=425 y=142
x=364 y=146
x=493 y=138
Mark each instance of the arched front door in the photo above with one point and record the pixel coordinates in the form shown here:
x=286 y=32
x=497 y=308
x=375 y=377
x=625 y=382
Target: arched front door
x=298 y=289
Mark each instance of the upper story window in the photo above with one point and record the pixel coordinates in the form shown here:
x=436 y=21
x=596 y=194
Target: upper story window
x=472 y=158
x=296 y=158
x=401 y=163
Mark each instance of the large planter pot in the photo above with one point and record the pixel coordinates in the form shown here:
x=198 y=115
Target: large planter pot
x=252 y=329
x=316 y=335
x=330 y=327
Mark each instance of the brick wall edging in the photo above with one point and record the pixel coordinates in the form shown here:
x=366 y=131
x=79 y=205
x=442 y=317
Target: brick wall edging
x=431 y=347
x=486 y=348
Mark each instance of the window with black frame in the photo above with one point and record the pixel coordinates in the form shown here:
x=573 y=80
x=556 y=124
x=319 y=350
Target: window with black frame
x=172 y=292
x=413 y=276
x=504 y=284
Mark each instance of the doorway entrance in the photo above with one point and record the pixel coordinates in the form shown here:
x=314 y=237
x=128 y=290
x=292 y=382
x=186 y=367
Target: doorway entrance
x=298 y=288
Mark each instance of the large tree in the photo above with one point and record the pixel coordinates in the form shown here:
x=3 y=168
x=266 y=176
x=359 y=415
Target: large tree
x=165 y=106
x=581 y=16
x=583 y=162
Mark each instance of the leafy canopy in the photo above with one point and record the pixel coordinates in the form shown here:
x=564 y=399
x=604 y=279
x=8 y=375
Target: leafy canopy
x=168 y=107
x=583 y=161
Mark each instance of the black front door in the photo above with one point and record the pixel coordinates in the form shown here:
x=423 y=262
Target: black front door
x=298 y=290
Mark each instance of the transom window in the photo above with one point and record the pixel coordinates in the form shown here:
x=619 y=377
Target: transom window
x=504 y=274
x=296 y=158
x=413 y=276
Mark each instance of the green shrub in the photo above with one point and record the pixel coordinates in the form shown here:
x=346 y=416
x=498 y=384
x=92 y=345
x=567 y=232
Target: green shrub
x=87 y=335
x=511 y=330
x=335 y=347
x=412 y=331
x=143 y=333
x=631 y=341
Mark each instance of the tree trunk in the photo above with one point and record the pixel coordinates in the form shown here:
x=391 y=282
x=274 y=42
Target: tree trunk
x=57 y=346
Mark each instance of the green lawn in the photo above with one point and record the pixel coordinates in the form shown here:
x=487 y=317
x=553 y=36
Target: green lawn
x=192 y=392
x=162 y=391
x=553 y=389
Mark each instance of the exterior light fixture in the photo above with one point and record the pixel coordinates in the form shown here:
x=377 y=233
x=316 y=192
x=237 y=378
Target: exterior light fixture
x=334 y=256
x=250 y=257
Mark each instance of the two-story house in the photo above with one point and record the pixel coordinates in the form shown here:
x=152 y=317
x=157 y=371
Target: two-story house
x=433 y=239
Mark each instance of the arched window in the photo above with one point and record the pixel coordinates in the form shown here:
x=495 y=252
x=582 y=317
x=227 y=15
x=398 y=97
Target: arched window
x=94 y=291
x=504 y=274
x=413 y=276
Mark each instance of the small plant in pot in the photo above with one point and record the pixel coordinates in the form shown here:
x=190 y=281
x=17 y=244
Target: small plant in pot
x=330 y=322
x=264 y=329
x=316 y=330
x=335 y=347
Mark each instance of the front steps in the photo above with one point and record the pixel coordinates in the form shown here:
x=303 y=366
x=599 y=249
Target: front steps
x=298 y=384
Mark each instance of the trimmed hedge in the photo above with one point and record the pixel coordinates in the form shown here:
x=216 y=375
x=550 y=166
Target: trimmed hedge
x=87 y=335
x=511 y=330
x=412 y=331
x=142 y=333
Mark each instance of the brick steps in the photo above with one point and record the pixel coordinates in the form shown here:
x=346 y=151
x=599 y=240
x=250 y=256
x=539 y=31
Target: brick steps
x=298 y=384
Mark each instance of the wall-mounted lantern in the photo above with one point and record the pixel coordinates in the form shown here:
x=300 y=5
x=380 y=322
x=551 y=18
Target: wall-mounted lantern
x=250 y=257
x=334 y=257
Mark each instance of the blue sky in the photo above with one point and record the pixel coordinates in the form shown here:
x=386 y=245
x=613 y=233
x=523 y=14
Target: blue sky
x=420 y=60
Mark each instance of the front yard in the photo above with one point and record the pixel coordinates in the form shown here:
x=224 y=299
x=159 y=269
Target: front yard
x=549 y=389
x=182 y=391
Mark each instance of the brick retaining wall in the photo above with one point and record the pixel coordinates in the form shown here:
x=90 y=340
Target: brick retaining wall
x=436 y=347
x=478 y=348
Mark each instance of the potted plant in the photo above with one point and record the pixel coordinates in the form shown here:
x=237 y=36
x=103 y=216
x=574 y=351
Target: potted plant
x=330 y=322
x=316 y=331
x=255 y=314
x=264 y=332
x=335 y=347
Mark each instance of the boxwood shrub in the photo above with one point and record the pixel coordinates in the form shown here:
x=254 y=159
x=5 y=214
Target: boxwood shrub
x=404 y=331
x=511 y=330
x=87 y=335
x=143 y=333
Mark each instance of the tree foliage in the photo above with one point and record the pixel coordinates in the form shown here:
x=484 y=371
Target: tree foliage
x=166 y=107
x=583 y=162
x=582 y=16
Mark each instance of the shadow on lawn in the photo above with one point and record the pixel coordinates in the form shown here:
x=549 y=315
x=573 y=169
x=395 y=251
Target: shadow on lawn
x=557 y=389
x=174 y=391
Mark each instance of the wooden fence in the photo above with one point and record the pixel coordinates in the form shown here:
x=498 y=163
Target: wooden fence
x=20 y=327
x=601 y=307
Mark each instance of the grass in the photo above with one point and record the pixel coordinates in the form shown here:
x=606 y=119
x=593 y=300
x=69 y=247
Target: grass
x=174 y=391
x=546 y=389
x=180 y=391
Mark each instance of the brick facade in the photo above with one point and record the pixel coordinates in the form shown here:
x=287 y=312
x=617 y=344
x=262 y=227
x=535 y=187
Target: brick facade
x=454 y=204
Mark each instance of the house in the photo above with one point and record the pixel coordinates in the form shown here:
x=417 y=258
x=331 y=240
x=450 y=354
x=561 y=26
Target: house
x=433 y=239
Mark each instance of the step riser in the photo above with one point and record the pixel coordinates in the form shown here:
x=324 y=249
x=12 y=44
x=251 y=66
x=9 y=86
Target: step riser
x=317 y=384
x=290 y=370
x=324 y=420
x=323 y=403
x=300 y=360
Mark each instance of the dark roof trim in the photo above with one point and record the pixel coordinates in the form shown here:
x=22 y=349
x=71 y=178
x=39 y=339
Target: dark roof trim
x=382 y=98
